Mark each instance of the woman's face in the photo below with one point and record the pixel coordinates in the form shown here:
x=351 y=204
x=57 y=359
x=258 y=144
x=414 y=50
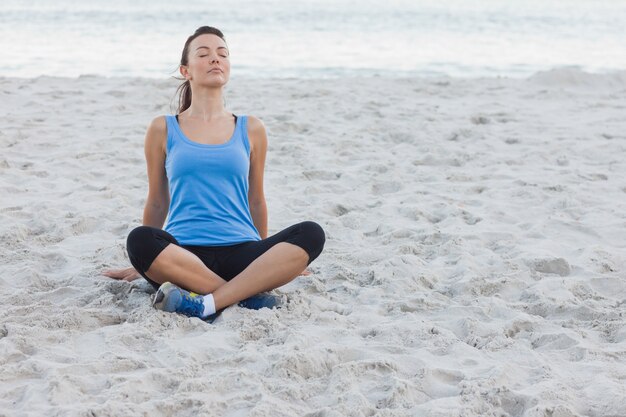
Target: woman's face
x=208 y=61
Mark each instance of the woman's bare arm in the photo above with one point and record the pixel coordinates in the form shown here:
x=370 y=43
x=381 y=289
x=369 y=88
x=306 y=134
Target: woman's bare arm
x=256 y=195
x=158 y=200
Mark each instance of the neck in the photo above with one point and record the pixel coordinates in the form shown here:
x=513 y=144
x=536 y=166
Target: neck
x=206 y=104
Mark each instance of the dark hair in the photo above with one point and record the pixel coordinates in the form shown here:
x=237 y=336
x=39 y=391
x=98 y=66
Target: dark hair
x=184 y=100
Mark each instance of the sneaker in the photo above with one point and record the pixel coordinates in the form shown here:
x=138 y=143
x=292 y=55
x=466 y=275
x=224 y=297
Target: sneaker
x=173 y=299
x=257 y=302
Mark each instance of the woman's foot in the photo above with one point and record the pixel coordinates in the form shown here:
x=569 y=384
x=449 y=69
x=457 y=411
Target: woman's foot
x=174 y=299
x=257 y=302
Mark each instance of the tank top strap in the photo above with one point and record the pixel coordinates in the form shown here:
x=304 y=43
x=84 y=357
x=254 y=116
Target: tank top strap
x=171 y=131
x=244 y=134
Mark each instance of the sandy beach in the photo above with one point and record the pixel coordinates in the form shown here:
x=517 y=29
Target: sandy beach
x=474 y=263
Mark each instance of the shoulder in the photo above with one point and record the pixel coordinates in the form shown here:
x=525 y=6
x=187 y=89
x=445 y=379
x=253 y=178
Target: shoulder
x=158 y=124
x=256 y=133
x=156 y=135
x=255 y=125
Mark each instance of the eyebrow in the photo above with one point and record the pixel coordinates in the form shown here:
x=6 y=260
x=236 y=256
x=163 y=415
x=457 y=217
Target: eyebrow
x=206 y=47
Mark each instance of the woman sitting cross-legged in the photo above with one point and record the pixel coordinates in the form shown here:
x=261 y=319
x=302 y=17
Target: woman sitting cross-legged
x=205 y=174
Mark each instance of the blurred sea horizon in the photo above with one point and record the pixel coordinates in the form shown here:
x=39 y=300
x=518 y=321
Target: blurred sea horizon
x=322 y=39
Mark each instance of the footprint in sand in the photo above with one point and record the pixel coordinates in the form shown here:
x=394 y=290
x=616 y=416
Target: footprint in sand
x=594 y=177
x=401 y=137
x=557 y=266
x=378 y=168
x=85 y=225
x=553 y=342
x=469 y=218
x=116 y=93
x=480 y=119
x=562 y=161
x=514 y=404
x=517 y=327
x=338 y=210
x=479 y=189
x=321 y=175
x=53 y=260
x=440 y=383
x=386 y=187
x=436 y=216
x=459 y=134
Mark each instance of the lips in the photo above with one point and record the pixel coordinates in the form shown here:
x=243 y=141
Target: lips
x=216 y=69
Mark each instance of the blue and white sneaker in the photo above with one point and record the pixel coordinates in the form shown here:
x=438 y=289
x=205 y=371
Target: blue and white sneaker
x=259 y=301
x=174 y=299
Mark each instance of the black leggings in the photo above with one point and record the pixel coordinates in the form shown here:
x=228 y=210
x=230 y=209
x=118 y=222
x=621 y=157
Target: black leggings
x=145 y=243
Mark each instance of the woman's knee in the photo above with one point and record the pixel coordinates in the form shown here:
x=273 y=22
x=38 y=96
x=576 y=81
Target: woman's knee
x=137 y=238
x=315 y=236
x=144 y=244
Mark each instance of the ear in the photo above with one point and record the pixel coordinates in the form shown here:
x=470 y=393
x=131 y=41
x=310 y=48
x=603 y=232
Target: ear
x=184 y=72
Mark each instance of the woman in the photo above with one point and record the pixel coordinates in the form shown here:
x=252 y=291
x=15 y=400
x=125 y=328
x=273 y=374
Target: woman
x=214 y=250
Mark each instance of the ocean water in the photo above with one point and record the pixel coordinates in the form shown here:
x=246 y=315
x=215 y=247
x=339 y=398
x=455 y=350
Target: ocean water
x=326 y=38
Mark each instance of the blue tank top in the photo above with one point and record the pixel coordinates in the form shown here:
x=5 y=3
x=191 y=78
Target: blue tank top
x=209 y=188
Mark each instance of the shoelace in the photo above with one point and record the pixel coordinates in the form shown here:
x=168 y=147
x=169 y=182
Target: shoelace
x=191 y=305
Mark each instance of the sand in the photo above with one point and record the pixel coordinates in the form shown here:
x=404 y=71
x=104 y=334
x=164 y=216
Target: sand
x=474 y=264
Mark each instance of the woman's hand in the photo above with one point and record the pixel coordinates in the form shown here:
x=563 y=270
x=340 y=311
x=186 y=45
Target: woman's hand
x=126 y=274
